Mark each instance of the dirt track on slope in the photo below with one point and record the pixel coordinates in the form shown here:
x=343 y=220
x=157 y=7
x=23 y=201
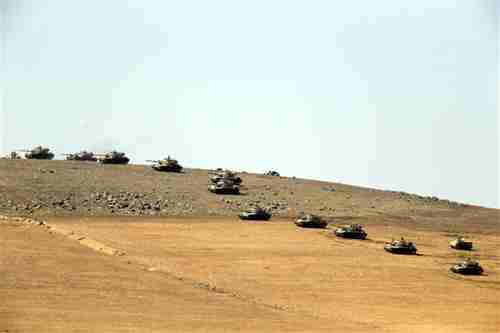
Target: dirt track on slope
x=220 y=274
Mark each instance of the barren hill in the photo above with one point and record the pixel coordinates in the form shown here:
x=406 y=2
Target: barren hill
x=62 y=188
x=129 y=249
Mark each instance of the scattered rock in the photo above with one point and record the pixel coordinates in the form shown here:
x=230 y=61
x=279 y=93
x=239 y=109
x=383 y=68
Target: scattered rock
x=46 y=171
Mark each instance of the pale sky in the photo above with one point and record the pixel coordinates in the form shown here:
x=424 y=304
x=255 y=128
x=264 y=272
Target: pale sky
x=391 y=94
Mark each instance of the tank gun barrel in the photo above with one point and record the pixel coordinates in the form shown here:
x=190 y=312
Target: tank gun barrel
x=152 y=161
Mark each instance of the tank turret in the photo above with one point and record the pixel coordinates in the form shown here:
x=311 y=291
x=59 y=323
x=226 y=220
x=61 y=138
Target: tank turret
x=461 y=244
x=113 y=157
x=38 y=153
x=401 y=247
x=224 y=187
x=354 y=231
x=167 y=165
x=81 y=156
x=222 y=175
x=255 y=214
x=467 y=267
x=310 y=221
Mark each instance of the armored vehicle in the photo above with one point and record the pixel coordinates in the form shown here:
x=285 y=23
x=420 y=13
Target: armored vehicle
x=225 y=175
x=461 y=244
x=272 y=173
x=256 y=214
x=354 y=231
x=12 y=156
x=113 y=157
x=401 y=247
x=467 y=267
x=310 y=221
x=81 y=156
x=167 y=164
x=38 y=153
x=224 y=187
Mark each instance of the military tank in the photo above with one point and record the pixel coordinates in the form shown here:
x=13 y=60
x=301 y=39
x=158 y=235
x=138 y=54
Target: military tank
x=401 y=247
x=224 y=187
x=81 y=156
x=113 y=157
x=167 y=165
x=255 y=214
x=38 y=153
x=461 y=244
x=310 y=221
x=222 y=175
x=12 y=156
x=353 y=231
x=467 y=267
x=272 y=173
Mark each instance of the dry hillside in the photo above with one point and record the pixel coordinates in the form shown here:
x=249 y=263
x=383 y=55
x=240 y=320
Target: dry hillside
x=127 y=249
x=62 y=188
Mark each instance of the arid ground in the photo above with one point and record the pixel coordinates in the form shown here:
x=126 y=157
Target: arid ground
x=192 y=266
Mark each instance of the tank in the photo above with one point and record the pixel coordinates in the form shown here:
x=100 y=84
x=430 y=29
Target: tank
x=167 y=165
x=467 y=267
x=222 y=175
x=354 y=231
x=12 y=156
x=310 y=221
x=224 y=187
x=113 y=157
x=272 y=173
x=461 y=244
x=255 y=214
x=401 y=247
x=81 y=156
x=39 y=153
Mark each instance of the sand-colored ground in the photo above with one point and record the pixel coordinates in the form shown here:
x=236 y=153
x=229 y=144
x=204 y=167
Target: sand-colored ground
x=50 y=283
x=223 y=275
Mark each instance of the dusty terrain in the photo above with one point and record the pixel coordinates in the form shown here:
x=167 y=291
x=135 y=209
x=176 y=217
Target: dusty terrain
x=64 y=188
x=193 y=267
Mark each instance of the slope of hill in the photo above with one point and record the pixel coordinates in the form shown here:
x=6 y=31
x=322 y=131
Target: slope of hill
x=126 y=249
x=62 y=188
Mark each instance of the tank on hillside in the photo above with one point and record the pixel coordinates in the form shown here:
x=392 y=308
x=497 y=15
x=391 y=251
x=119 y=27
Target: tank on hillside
x=113 y=157
x=167 y=165
x=310 y=221
x=255 y=214
x=467 y=267
x=38 y=153
x=353 y=231
x=223 y=175
x=461 y=244
x=272 y=173
x=401 y=246
x=81 y=156
x=224 y=187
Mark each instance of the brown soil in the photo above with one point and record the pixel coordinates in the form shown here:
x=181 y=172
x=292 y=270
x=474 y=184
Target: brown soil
x=69 y=188
x=220 y=274
x=97 y=270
